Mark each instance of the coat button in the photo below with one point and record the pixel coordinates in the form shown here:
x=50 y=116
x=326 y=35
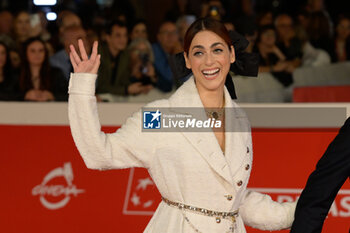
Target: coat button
x=247 y=167
x=239 y=183
x=218 y=220
x=247 y=149
x=229 y=197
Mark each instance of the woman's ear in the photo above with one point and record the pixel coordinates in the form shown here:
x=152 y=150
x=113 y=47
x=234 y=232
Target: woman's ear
x=232 y=54
x=188 y=65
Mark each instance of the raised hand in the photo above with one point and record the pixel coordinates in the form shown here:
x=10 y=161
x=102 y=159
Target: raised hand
x=85 y=64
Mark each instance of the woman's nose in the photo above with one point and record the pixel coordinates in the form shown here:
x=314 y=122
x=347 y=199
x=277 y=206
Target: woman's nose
x=209 y=59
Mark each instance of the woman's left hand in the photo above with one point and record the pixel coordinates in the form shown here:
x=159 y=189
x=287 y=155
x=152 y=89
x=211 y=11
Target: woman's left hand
x=85 y=64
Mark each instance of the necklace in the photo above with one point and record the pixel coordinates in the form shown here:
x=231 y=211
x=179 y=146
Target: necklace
x=216 y=113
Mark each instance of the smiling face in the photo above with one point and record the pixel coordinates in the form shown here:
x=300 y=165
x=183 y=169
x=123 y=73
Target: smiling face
x=209 y=58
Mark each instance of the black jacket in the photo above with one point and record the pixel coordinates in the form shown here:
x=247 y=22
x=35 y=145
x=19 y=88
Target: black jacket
x=331 y=172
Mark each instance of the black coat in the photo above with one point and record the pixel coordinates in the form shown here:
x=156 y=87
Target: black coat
x=331 y=172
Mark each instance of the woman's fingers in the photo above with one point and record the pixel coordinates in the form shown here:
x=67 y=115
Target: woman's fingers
x=72 y=60
x=96 y=64
x=83 y=54
x=94 y=51
x=75 y=56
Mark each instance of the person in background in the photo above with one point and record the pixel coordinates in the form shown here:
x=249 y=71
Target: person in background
x=182 y=24
x=264 y=18
x=288 y=43
x=38 y=80
x=341 y=51
x=139 y=30
x=8 y=76
x=6 y=27
x=22 y=28
x=65 y=19
x=141 y=63
x=319 y=31
x=70 y=35
x=213 y=9
x=245 y=23
x=114 y=73
x=168 y=44
x=271 y=58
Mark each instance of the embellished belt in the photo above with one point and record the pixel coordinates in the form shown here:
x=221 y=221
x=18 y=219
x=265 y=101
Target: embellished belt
x=211 y=213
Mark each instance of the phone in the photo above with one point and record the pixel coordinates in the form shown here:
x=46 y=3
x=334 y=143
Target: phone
x=34 y=20
x=213 y=10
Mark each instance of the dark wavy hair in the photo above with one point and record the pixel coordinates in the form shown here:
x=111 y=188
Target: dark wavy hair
x=45 y=70
x=7 y=69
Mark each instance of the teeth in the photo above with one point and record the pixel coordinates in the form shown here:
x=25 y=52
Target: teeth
x=209 y=72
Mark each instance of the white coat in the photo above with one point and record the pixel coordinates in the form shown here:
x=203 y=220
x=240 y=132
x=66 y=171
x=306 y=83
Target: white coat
x=189 y=167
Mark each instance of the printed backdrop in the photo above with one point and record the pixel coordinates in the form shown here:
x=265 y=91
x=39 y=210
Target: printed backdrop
x=46 y=187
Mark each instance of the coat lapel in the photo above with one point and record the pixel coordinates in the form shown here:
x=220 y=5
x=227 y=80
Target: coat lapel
x=205 y=142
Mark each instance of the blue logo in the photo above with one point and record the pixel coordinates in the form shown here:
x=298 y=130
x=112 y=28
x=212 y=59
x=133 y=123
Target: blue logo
x=151 y=119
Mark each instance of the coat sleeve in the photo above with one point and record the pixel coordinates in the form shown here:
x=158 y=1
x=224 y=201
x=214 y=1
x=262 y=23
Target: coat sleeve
x=331 y=172
x=127 y=147
x=260 y=211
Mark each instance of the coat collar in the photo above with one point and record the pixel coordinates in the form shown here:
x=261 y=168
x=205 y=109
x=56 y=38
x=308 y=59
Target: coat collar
x=206 y=144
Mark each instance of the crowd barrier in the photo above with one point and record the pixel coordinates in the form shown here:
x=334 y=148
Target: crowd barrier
x=47 y=187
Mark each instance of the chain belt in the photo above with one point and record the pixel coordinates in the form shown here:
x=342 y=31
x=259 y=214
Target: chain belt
x=211 y=213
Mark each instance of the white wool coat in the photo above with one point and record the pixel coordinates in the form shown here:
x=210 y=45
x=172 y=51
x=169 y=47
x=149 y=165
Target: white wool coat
x=186 y=167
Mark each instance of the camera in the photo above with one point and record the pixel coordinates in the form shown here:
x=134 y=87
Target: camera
x=144 y=57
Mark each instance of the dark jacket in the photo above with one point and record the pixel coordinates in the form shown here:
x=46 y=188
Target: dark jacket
x=332 y=170
x=113 y=80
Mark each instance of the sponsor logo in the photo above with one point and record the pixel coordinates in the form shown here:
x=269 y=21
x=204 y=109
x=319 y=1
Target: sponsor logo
x=152 y=119
x=49 y=193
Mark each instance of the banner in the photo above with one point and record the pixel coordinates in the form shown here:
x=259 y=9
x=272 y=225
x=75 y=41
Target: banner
x=46 y=186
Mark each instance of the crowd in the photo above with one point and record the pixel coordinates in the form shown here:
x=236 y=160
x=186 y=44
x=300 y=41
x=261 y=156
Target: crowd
x=35 y=66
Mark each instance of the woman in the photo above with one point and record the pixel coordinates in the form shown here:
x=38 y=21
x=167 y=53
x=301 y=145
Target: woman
x=202 y=177
x=38 y=80
x=141 y=63
x=271 y=58
x=341 y=42
x=8 y=76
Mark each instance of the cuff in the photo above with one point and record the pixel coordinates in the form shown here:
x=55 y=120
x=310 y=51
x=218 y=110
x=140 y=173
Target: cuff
x=82 y=83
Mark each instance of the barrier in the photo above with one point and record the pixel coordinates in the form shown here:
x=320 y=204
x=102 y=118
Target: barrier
x=47 y=188
x=322 y=94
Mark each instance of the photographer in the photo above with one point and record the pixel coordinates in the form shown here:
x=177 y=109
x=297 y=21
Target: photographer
x=141 y=63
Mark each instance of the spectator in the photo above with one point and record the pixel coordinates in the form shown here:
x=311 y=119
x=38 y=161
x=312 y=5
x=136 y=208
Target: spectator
x=341 y=51
x=182 y=24
x=8 y=76
x=245 y=23
x=318 y=30
x=64 y=19
x=6 y=25
x=271 y=58
x=38 y=80
x=141 y=63
x=264 y=18
x=114 y=75
x=213 y=9
x=139 y=30
x=70 y=35
x=288 y=43
x=22 y=27
x=168 y=44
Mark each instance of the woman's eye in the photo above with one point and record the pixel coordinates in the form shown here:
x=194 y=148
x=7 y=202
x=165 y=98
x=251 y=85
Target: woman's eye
x=198 y=53
x=217 y=50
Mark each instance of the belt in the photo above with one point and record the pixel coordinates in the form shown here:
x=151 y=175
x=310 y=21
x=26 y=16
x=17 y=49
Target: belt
x=211 y=213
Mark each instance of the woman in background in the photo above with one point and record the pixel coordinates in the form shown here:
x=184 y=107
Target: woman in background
x=38 y=80
x=8 y=76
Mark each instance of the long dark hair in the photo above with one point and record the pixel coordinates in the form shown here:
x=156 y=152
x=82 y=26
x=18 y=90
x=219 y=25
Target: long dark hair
x=7 y=69
x=203 y=24
x=45 y=70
